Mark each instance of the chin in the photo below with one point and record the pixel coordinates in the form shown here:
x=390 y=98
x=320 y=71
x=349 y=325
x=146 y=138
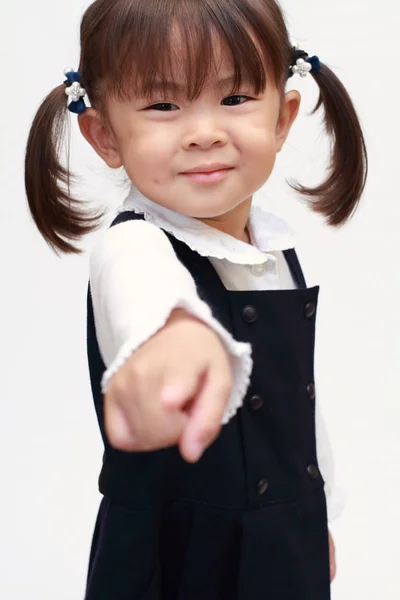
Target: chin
x=208 y=212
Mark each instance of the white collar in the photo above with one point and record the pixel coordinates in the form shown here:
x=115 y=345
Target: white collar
x=268 y=232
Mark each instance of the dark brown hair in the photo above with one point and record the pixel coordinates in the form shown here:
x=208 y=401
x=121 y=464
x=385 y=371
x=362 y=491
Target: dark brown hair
x=119 y=40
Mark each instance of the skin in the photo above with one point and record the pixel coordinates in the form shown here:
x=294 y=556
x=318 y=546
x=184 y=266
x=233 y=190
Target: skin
x=156 y=140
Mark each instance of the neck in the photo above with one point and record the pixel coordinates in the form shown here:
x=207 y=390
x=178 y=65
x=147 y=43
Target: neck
x=234 y=222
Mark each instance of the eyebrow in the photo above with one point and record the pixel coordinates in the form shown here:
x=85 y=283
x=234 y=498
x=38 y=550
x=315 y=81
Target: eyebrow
x=176 y=87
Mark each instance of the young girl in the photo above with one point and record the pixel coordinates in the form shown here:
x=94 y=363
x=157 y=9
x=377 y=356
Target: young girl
x=200 y=325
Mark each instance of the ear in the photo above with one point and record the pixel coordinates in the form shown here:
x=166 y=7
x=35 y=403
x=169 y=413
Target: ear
x=289 y=110
x=100 y=137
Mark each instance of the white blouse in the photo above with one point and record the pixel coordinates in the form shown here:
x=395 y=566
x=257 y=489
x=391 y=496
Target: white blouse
x=136 y=282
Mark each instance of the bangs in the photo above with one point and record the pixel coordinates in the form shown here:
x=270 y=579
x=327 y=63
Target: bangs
x=140 y=44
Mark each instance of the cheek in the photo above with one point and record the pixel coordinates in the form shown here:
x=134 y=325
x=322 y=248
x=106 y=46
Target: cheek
x=147 y=162
x=260 y=156
x=260 y=146
x=148 y=147
x=262 y=130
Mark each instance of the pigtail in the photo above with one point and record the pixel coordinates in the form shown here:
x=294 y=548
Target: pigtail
x=57 y=215
x=338 y=196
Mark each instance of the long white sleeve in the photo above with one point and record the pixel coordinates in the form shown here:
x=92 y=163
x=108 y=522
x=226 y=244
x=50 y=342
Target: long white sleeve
x=335 y=497
x=136 y=281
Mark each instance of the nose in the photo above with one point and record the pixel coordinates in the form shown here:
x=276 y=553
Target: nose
x=203 y=133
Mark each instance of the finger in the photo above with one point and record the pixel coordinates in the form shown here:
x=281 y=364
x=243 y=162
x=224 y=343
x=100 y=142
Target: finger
x=332 y=569
x=140 y=399
x=129 y=407
x=117 y=427
x=153 y=426
x=178 y=389
x=172 y=428
x=205 y=418
x=332 y=558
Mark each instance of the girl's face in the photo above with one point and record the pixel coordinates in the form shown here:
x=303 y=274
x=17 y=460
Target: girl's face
x=230 y=142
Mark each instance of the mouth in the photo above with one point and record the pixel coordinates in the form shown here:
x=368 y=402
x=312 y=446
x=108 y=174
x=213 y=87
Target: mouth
x=208 y=173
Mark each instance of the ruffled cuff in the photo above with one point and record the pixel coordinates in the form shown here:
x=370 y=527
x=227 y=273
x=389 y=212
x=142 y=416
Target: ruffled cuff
x=239 y=354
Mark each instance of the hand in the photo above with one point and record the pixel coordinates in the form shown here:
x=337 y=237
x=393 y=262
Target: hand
x=172 y=390
x=332 y=558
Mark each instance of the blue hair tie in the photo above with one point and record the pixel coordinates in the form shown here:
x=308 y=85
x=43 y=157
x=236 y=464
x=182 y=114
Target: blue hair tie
x=315 y=64
x=75 y=91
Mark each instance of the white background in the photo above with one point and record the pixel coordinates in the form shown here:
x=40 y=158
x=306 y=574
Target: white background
x=50 y=447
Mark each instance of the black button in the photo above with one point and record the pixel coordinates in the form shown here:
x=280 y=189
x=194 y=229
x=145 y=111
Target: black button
x=309 y=310
x=313 y=472
x=311 y=391
x=262 y=486
x=256 y=402
x=249 y=314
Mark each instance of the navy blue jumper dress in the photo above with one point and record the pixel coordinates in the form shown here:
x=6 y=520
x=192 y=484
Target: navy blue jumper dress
x=248 y=521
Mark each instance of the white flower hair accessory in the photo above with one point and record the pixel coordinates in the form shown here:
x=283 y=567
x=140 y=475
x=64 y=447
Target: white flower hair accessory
x=302 y=64
x=301 y=67
x=74 y=91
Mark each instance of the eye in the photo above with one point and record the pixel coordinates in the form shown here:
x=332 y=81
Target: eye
x=162 y=106
x=235 y=100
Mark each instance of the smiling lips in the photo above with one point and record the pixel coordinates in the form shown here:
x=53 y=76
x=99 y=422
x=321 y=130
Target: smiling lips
x=208 y=173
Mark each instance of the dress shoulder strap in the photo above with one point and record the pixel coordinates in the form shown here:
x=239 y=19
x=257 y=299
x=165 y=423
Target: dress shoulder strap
x=127 y=215
x=295 y=268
